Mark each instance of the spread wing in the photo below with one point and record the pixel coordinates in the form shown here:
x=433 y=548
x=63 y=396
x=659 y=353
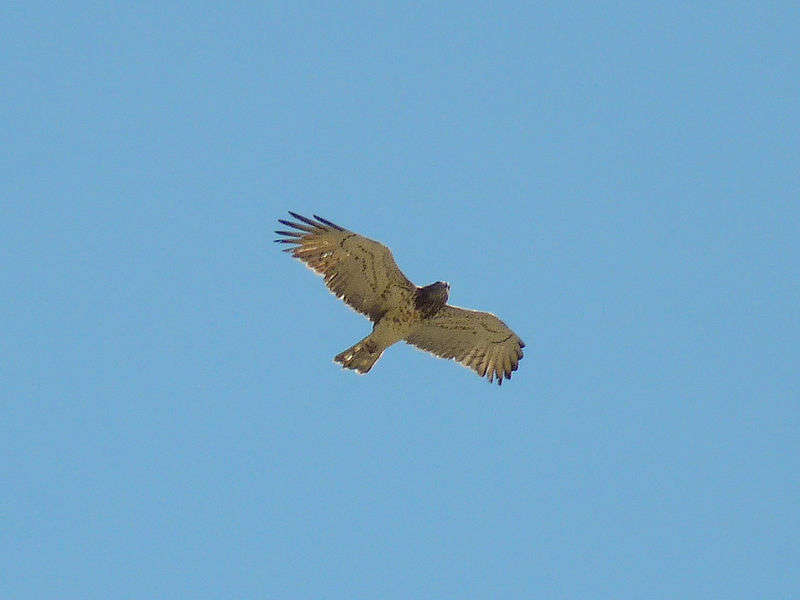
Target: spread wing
x=360 y=271
x=478 y=340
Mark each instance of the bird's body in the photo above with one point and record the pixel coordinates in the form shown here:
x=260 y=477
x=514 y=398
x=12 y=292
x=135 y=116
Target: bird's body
x=394 y=326
x=362 y=272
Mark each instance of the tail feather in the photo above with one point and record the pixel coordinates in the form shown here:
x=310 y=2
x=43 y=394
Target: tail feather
x=360 y=357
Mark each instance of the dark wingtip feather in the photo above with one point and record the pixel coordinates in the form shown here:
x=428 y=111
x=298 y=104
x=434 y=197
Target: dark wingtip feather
x=303 y=219
x=328 y=223
x=296 y=225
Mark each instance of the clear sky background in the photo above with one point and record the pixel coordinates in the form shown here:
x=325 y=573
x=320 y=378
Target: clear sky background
x=619 y=182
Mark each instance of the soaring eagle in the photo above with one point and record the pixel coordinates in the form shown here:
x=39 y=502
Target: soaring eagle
x=363 y=273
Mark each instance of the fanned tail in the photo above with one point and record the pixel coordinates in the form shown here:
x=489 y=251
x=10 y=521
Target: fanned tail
x=361 y=356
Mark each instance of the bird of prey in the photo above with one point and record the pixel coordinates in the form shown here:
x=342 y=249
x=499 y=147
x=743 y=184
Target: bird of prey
x=363 y=273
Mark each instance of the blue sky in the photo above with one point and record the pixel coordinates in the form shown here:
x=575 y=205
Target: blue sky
x=618 y=182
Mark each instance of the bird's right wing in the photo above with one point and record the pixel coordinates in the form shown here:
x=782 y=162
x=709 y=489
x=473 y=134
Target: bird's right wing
x=478 y=340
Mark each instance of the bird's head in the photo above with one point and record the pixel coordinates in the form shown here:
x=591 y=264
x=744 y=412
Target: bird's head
x=440 y=289
x=431 y=298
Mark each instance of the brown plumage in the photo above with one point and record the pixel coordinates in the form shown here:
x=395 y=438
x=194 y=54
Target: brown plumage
x=362 y=272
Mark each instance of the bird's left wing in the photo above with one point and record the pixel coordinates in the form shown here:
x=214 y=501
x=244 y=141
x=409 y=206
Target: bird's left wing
x=360 y=271
x=478 y=340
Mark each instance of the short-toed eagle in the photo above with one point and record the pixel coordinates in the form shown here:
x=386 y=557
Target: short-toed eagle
x=363 y=273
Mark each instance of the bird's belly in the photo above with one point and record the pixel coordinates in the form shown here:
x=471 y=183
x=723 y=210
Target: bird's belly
x=395 y=325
